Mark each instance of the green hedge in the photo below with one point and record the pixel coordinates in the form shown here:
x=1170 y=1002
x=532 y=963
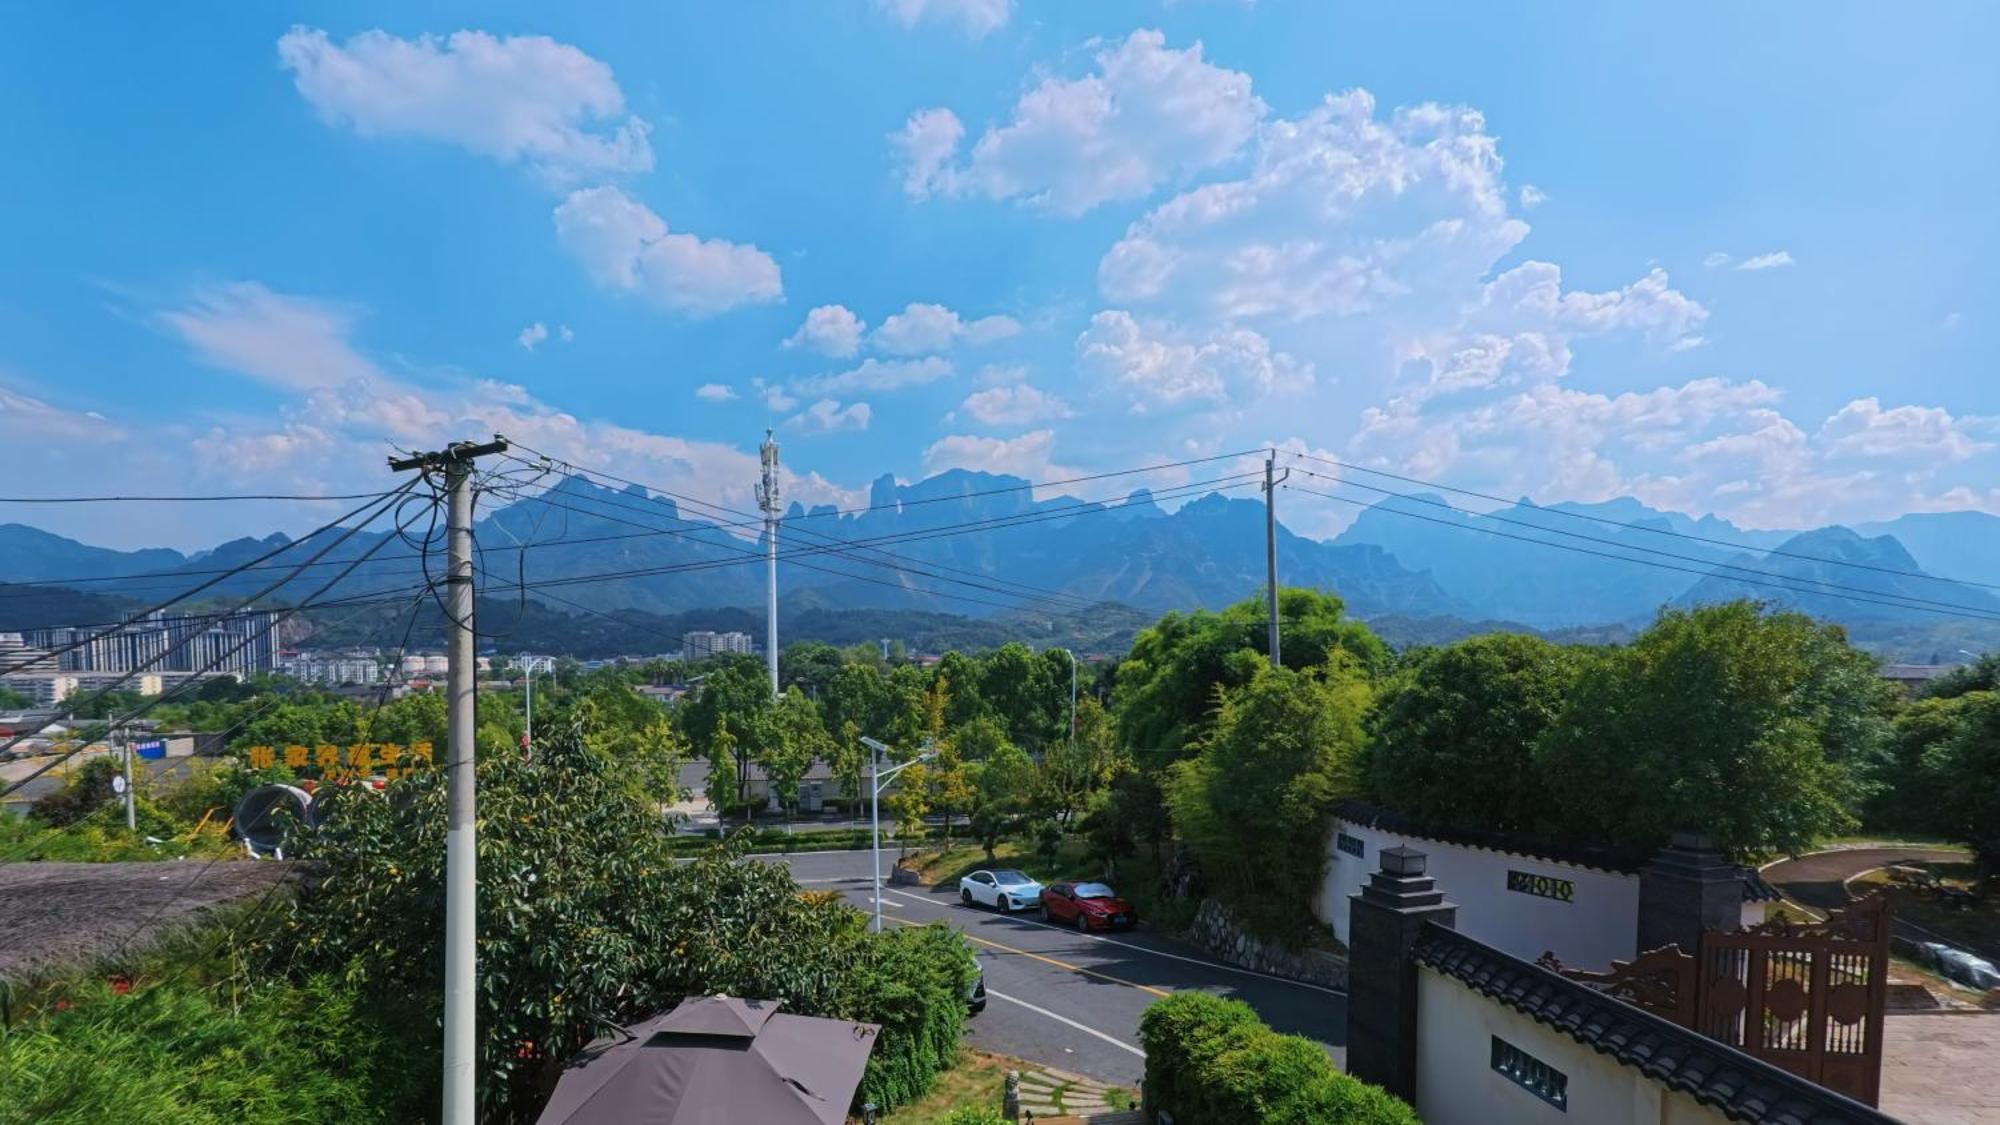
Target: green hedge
x=1210 y=1060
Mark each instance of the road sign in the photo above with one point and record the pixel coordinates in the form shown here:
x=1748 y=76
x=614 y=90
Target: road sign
x=118 y=783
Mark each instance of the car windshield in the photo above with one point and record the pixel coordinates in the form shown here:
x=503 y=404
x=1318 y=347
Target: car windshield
x=1094 y=890
x=1010 y=878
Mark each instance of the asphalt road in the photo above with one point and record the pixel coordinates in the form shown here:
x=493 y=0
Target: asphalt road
x=1074 y=1000
x=1819 y=880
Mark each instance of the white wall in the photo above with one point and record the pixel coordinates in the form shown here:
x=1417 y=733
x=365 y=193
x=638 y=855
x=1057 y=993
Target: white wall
x=1457 y=1085
x=1598 y=925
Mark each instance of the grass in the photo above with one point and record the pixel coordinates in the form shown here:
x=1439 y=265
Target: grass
x=92 y=841
x=1943 y=904
x=1915 y=839
x=977 y=1079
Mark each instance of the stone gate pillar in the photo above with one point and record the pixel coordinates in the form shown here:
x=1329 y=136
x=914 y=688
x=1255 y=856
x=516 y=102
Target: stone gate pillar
x=1384 y=922
x=1689 y=887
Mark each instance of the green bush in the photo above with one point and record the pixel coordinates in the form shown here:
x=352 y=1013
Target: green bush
x=913 y=982
x=973 y=1115
x=181 y=1053
x=1212 y=1060
x=86 y=791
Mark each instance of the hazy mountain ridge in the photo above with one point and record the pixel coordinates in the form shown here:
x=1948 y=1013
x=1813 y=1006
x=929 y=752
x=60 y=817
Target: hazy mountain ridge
x=1423 y=566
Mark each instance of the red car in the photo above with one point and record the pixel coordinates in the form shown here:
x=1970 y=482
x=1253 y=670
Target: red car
x=1087 y=906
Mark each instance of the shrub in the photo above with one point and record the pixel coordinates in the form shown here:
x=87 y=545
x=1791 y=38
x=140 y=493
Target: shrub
x=87 y=790
x=913 y=982
x=973 y=1115
x=1209 y=1059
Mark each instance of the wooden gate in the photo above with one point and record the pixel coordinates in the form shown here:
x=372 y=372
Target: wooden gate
x=1807 y=997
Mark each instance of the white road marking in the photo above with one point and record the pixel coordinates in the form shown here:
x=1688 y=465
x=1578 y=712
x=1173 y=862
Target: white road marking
x=1237 y=969
x=1065 y=1020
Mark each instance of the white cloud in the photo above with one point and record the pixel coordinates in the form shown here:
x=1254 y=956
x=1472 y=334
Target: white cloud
x=878 y=375
x=624 y=245
x=973 y=17
x=829 y=330
x=27 y=418
x=1027 y=455
x=775 y=397
x=285 y=340
x=1715 y=259
x=715 y=392
x=1160 y=366
x=1771 y=261
x=827 y=416
x=922 y=329
x=928 y=141
x=1019 y=405
x=1532 y=197
x=1922 y=433
x=1340 y=214
x=1148 y=115
x=564 y=334
x=533 y=334
x=520 y=99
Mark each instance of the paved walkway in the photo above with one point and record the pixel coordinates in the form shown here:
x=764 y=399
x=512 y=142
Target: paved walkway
x=1939 y=1068
x=1820 y=880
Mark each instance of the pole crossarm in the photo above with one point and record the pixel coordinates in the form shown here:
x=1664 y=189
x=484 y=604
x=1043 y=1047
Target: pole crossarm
x=458 y=452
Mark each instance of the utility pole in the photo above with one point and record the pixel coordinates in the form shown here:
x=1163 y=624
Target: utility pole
x=461 y=870
x=1271 y=483
x=131 y=809
x=767 y=499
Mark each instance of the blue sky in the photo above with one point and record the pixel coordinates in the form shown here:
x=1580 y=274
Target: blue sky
x=1726 y=258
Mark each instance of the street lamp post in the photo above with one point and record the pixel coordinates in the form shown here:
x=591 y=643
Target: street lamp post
x=876 y=777
x=1072 y=696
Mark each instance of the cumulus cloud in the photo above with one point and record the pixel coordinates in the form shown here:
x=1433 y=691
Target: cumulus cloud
x=926 y=328
x=1922 y=433
x=533 y=334
x=878 y=375
x=975 y=18
x=1027 y=455
x=1148 y=115
x=828 y=416
x=624 y=245
x=715 y=392
x=523 y=99
x=1532 y=197
x=1161 y=367
x=829 y=330
x=1018 y=405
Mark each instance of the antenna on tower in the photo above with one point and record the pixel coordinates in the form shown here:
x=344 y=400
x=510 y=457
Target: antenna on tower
x=768 y=500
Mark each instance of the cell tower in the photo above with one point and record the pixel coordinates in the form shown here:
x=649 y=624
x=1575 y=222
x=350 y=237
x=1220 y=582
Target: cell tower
x=767 y=499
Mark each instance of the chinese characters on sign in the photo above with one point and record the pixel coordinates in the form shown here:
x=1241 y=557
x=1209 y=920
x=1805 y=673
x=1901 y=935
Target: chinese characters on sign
x=1529 y=883
x=335 y=763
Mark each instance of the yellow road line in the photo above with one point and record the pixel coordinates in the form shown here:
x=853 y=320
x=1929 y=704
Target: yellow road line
x=1049 y=960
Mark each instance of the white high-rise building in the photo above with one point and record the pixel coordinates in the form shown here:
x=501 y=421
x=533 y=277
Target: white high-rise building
x=703 y=644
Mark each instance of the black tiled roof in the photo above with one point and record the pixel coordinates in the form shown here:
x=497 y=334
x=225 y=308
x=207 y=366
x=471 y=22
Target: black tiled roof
x=1625 y=861
x=1756 y=889
x=1740 y=1087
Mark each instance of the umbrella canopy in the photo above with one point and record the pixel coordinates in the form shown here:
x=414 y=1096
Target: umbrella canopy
x=718 y=1060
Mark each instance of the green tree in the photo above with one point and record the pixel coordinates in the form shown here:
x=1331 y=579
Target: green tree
x=1254 y=803
x=736 y=691
x=1019 y=691
x=809 y=666
x=1905 y=798
x=1005 y=783
x=789 y=740
x=1963 y=770
x=1165 y=696
x=1711 y=720
x=1076 y=769
x=1455 y=730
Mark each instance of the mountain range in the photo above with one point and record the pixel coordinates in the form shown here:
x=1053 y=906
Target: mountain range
x=981 y=545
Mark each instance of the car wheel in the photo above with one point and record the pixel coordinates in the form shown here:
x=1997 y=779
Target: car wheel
x=1045 y=912
x=965 y=896
x=1082 y=923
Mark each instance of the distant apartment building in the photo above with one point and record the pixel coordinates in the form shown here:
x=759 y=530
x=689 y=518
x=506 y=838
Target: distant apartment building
x=332 y=668
x=703 y=644
x=46 y=689
x=239 y=644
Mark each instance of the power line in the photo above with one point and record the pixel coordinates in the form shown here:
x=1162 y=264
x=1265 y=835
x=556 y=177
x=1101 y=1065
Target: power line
x=380 y=502
x=181 y=499
x=1828 y=587
x=1641 y=527
x=1625 y=558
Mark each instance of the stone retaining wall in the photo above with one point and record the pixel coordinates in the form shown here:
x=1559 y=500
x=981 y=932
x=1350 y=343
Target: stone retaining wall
x=1217 y=934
